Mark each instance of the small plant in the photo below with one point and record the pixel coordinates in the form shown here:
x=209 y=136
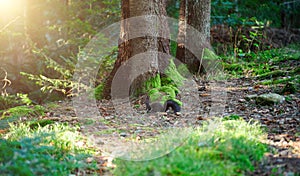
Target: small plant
x=10 y=101
x=232 y=117
x=60 y=80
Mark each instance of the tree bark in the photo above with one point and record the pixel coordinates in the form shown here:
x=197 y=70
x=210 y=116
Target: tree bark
x=194 y=14
x=132 y=47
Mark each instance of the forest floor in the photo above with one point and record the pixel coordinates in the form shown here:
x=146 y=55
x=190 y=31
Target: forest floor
x=281 y=122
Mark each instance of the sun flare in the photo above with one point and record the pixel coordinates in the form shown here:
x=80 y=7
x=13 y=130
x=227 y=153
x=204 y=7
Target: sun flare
x=6 y=3
x=10 y=7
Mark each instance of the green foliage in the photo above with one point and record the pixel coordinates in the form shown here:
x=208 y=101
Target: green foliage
x=10 y=101
x=173 y=73
x=98 y=91
x=21 y=111
x=173 y=8
x=165 y=87
x=232 y=117
x=49 y=150
x=51 y=41
x=153 y=82
x=39 y=123
x=218 y=148
x=295 y=79
x=230 y=12
x=106 y=65
x=63 y=72
x=268 y=64
x=24 y=98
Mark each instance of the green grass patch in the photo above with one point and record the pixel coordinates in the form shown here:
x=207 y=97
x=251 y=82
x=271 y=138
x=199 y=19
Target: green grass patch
x=49 y=150
x=20 y=111
x=13 y=114
x=220 y=147
x=264 y=64
x=281 y=80
x=272 y=74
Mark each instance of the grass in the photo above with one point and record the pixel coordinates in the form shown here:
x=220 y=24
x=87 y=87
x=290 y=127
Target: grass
x=230 y=150
x=261 y=64
x=19 y=111
x=54 y=149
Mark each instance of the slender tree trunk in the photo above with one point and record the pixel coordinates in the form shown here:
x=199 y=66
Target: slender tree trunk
x=195 y=14
x=132 y=47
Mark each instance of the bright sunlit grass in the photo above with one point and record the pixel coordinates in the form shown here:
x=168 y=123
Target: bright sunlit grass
x=228 y=147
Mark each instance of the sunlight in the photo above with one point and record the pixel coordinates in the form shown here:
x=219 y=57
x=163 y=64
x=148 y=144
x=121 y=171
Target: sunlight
x=6 y=4
x=9 y=7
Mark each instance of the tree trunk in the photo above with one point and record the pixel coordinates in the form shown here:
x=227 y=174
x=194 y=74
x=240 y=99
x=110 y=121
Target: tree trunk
x=194 y=14
x=135 y=46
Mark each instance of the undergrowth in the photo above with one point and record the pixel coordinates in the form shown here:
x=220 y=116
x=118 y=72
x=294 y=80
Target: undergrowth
x=228 y=147
x=54 y=149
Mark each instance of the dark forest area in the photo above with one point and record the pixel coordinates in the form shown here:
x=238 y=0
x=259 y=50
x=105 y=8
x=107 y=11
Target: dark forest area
x=170 y=87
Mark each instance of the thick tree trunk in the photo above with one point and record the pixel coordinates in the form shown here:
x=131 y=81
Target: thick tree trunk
x=124 y=49
x=197 y=15
x=135 y=46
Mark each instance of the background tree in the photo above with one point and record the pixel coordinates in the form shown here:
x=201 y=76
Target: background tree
x=197 y=15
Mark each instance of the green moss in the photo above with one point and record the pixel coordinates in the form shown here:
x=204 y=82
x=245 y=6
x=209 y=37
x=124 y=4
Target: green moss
x=165 y=87
x=169 y=90
x=154 y=82
x=173 y=74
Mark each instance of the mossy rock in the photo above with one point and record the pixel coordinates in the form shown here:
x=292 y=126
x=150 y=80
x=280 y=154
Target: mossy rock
x=269 y=99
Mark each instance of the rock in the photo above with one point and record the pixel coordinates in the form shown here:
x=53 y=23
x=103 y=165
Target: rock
x=138 y=131
x=241 y=100
x=108 y=117
x=269 y=99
